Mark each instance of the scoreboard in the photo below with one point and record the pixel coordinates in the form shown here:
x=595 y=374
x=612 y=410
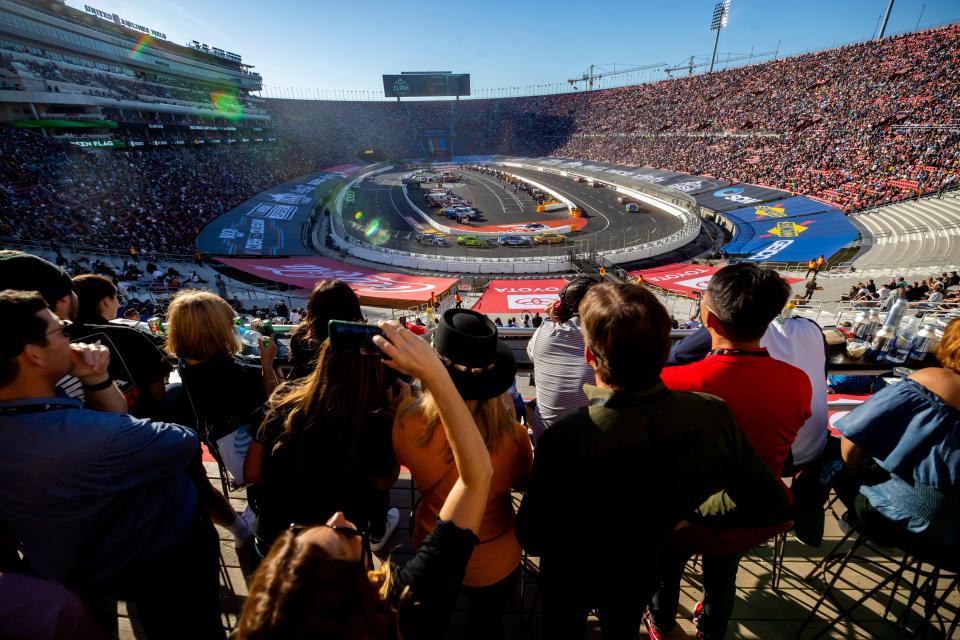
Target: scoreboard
x=426 y=84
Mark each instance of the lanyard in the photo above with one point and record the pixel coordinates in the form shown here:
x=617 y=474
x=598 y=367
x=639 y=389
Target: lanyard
x=762 y=353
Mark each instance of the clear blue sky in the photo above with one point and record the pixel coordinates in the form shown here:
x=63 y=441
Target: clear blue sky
x=331 y=44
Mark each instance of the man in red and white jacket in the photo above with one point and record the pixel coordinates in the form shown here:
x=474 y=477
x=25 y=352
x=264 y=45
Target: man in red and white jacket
x=770 y=400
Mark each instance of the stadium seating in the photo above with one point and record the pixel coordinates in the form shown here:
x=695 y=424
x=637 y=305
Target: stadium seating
x=787 y=124
x=859 y=126
x=924 y=232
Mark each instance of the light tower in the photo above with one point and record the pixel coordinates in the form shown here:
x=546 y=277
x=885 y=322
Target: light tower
x=720 y=13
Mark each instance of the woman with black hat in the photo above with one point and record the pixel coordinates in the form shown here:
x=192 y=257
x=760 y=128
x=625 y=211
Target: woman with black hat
x=483 y=369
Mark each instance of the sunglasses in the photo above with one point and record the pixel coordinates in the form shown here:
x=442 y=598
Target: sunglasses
x=60 y=329
x=345 y=532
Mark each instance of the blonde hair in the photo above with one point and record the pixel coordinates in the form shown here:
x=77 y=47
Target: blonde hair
x=494 y=418
x=201 y=326
x=948 y=351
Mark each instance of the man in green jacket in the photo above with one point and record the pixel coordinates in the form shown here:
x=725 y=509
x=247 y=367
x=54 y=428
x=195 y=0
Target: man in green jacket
x=613 y=480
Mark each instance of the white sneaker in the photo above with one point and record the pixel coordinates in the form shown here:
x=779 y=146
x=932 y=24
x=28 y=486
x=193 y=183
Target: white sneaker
x=393 y=519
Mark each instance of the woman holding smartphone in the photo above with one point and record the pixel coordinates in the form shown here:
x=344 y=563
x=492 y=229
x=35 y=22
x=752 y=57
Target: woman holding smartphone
x=315 y=581
x=483 y=370
x=325 y=445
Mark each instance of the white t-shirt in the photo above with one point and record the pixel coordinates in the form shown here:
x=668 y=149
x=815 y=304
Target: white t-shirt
x=883 y=293
x=799 y=342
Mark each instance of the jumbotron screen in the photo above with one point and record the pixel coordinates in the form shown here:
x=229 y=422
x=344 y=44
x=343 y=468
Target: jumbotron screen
x=423 y=85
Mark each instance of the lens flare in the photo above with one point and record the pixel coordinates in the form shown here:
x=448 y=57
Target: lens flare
x=227 y=105
x=382 y=236
x=137 y=52
x=372 y=227
x=358 y=215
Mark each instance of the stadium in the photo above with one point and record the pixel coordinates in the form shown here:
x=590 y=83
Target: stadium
x=169 y=169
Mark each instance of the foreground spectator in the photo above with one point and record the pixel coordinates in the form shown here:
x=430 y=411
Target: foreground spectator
x=102 y=502
x=640 y=458
x=325 y=447
x=134 y=358
x=908 y=431
x=556 y=351
x=483 y=370
x=36 y=609
x=315 y=584
x=25 y=272
x=740 y=302
x=221 y=393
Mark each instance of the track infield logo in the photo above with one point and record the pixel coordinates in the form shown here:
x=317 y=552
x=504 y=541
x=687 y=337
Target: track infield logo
x=776 y=210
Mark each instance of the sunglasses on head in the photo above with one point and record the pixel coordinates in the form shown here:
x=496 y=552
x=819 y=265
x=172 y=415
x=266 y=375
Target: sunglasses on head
x=346 y=532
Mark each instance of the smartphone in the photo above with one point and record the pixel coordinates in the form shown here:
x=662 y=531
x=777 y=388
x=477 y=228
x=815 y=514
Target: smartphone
x=354 y=337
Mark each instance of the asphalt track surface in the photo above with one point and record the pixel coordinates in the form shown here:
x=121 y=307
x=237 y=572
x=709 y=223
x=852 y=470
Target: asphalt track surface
x=380 y=202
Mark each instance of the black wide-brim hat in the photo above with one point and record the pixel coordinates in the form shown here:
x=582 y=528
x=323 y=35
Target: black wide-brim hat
x=481 y=366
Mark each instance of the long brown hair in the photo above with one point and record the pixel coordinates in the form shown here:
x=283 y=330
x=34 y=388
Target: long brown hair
x=329 y=300
x=299 y=591
x=324 y=412
x=494 y=417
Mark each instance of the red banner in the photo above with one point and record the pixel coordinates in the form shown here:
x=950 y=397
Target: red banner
x=519 y=296
x=685 y=279
x=372 y=287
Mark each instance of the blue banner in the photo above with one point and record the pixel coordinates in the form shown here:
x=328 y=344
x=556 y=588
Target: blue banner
x=795 y=239
x=271 y=222
x=797 y=206
x=738 y=196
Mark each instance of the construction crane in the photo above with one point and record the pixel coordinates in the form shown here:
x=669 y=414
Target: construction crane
x=690 y=65
x=605 y=71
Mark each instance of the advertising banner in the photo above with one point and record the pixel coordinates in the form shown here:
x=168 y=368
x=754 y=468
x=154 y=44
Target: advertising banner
x=683 y=182
x=271 y=222
x=795 y=239
x=738 y=196
x=372 y=287
x=519 y=296
x=685 y=279
x=796 y=206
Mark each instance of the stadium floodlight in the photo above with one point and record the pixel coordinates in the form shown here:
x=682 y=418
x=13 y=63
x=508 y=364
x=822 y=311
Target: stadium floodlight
x=720 y=13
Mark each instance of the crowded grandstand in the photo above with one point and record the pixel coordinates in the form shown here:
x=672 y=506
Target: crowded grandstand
x=291 y=367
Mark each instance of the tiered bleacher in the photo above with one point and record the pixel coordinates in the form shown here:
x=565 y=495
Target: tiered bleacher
x=921 y=233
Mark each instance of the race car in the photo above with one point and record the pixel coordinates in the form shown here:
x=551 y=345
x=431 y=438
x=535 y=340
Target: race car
x=549 y=238
x=631 y=207
x=473 y=241
x=432 y=239
x=515 y=241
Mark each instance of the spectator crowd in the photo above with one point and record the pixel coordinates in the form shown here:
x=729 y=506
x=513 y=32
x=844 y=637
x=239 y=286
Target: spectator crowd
x=683 y=446
x=857 y=126
x=155 y=201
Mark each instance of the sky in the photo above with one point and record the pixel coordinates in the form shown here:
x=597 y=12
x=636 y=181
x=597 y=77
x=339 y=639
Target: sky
x=318 y=48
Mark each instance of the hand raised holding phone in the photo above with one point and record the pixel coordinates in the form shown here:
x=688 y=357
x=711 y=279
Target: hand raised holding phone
x=408 y=353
